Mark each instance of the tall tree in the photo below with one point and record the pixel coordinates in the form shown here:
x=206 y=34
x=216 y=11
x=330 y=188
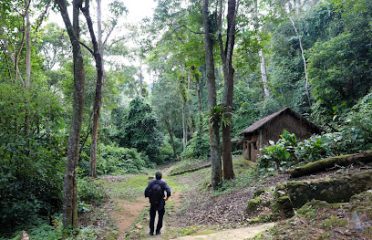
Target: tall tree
x=261 y=54
x=28 y=43
x=97 y=54
x=228 y=72
x=214 y=119
x=70 y=213
x=300 y=41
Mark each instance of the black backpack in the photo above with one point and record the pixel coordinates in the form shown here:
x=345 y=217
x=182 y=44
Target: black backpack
x=156 y=194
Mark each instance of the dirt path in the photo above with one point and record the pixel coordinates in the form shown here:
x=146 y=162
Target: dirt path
x=126 y=210
x=234 y=234
x=172 y=204
x=126 y=213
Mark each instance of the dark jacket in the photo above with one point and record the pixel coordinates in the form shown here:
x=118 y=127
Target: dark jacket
x=164 y=187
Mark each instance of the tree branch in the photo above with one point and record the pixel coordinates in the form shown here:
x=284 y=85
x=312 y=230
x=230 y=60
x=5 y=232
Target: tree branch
x=40 y=19
x=109 y=34
x=190 y=30
x=86 y=47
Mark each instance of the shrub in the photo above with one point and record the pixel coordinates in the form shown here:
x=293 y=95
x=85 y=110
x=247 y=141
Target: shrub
x=357 y=132
x=314 y=148
x=118 y=160
x=46 y=231
x=287 y=152
x=166 y=153
x=139 y=129
x=31 y=150
x=197 y=147
x=90 y=191
x=280 y=153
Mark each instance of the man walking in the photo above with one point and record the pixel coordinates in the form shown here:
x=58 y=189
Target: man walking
x=155 y=192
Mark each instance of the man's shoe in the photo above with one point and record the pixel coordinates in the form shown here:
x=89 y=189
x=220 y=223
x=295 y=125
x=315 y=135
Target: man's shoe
x=158 y=232
x=151 y=233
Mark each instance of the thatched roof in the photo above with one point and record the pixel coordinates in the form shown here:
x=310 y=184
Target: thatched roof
x=266 y=120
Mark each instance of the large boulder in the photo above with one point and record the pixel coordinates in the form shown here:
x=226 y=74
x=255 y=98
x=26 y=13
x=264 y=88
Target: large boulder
x=338 y=189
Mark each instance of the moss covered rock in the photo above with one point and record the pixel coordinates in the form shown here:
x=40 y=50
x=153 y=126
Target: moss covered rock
x=253 y=204
x=283 y=207
x=339 y=189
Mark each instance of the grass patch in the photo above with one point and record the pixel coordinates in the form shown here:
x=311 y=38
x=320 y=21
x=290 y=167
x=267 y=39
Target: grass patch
x=175 y=187
x=129 y=188
x=244 y=176
x=333 y=222
x=187 y=165
x=307 y=211
x=264 y=218
x=172 y=233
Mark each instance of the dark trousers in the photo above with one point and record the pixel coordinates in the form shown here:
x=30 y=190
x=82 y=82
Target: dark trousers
x=153 y=210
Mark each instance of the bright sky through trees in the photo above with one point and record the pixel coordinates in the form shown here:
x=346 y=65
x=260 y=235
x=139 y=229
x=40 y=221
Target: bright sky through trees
x=139 y=9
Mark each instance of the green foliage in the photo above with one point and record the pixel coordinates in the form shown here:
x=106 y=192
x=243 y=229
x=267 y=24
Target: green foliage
x=280 y=154
x=359 y=121
x=117 y=160
x=246 y=175
x=308 y=211
x=90 y=191
x=197 y=147
x=333 y=222
x=287 y=151
x=339 y=67
x=138 y=129
x=46 y=231
x=41 y=230
x=166 y=152
x=31 y=162
x=168 y=106
x=314 y=148
x=253 y=204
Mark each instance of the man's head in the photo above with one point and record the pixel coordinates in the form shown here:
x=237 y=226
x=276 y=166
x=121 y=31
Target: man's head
x=158 y=175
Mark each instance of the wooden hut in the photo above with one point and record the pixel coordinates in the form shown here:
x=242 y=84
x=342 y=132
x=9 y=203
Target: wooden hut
x=270 y=127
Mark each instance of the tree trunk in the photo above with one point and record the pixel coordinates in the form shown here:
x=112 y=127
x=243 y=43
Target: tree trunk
x=27 y=81
x=99 y=27
x=98 y=95
x=228 y=170
x=200 y=110
x=261 y=54
x=307 y=91
x=171 y=136
x=184 y=126
x=18 y=53
x=190 y=123
x=70 y=214
x=263 y=73
x=28 y=43
x=214 y=120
